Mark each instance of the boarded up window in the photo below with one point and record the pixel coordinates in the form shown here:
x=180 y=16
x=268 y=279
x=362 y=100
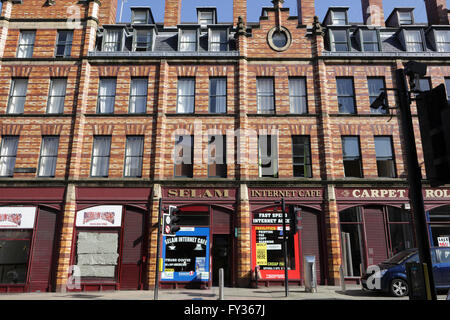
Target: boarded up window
x=97 y=254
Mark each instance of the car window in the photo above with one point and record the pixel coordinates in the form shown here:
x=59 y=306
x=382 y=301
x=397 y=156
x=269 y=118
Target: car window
x=443 y=255
x=414 y=258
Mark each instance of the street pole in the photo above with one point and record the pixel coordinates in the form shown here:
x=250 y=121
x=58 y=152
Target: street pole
x=155 y=295
x=415 y=181
x=286 y=279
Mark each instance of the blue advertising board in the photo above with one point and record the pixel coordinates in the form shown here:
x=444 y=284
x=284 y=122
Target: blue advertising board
x=186 y=255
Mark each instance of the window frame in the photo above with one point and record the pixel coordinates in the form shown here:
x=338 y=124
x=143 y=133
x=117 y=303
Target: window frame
x=305 y=96
x=226 y=43
x=437 y=43
x=307 y=162
x=392 y=158
x=274 y=156
x=41 y=156
x=333 y=42
x=180 y=38
x=67 y=44
x=139 y=157
x=10 y=97
x=150 y=39
x=19 y=45
x=134 y=96
x=50 y=95
x=188 y=166
x=185 y=95
x=353 y=96
x=17 y=140
x=212 y=161
x=377 y=42
x=120 y=42
x=333 y=19
x=103 y=156
x=223 y=96
x=371 y=96
x=407 y=44
x=260 y=94
x=353 y=158
x=107 y=96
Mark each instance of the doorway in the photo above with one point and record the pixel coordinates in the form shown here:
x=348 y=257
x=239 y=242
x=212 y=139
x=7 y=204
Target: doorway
x=221 y=254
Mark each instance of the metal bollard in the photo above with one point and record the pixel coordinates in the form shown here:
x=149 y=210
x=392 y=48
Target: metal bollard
x=221 y=280
x=341 y=274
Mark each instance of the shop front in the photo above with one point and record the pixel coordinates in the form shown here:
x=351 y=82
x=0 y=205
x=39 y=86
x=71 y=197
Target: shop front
x=375 y=224
x=267 y=234
x=437 y=209
x=206 y=240
x=29 y=227
x=110 y=239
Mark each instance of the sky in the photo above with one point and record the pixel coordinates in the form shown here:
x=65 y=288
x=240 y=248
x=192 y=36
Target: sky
x=225 y=8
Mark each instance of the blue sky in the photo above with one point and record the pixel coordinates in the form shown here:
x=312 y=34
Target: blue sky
x=225 y=8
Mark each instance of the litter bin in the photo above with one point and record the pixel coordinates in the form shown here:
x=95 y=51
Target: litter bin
x=416 y=281
x=309 y=267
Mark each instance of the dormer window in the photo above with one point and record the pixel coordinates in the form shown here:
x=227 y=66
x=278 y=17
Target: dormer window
x=442 y=40
x=143 y=39
x=188 y=39
x=370 y=41
x=413 y=40
x=339 y=40
x=405 y=17
x=141 y=15
x=206 y=16
x=339 y=18
x=218 y=39
x=112 y=39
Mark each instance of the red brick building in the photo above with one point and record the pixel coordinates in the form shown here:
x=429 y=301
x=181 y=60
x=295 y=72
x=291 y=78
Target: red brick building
x=99 y=121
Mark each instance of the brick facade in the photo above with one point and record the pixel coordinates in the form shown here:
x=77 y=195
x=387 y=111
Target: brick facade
x=80 y=121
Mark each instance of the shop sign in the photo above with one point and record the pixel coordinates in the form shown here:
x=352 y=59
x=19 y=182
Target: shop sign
x=444 y=241
x=100 y=216
x=186 y=255
x=201 y=193
x=17 y=217
x=261 y=193
x=372 y=193
x=437 y=193
x=270 y=218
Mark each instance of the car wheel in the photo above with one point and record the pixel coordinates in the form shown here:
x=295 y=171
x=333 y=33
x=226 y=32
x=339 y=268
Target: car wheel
x=399 y=288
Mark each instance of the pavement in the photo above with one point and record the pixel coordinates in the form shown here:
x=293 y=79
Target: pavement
x=352 y=292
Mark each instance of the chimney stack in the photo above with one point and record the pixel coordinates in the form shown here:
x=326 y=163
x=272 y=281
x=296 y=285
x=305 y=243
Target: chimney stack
x=437 y=11
x=306 y=11
x=373 y=13
x=239 y=10
x=172 y=13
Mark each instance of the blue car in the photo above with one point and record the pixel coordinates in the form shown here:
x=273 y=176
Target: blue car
x=390 y=276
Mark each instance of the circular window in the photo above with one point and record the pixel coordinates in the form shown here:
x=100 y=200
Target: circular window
x=279 y=39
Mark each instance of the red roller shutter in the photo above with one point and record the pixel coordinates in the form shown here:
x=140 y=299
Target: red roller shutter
x=132 y=249
x=221 y=221
x=311 y=240
x=42 y=252
x=375 y=235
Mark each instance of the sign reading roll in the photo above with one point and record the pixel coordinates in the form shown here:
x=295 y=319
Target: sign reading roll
x=100 y=216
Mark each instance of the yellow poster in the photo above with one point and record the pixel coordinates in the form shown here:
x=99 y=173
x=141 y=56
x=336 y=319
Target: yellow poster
x=261 y=254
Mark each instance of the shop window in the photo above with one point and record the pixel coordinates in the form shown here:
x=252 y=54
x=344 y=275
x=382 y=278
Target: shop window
x=218 y=95
x=268 y=156
x=217 y=166
x=385 y=157
x=439 y=226
x=138 y=95
x=14 y=255
x=301 y=156
x=351 y=157
x=57 y=95
x=97 y=254
x=297 y=96
x=345 y=95
x=266 y=98
x=184 y=156
x=352 y=241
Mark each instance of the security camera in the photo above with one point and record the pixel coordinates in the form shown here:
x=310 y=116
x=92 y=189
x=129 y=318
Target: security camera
x=380 y=101
x=413 y=68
